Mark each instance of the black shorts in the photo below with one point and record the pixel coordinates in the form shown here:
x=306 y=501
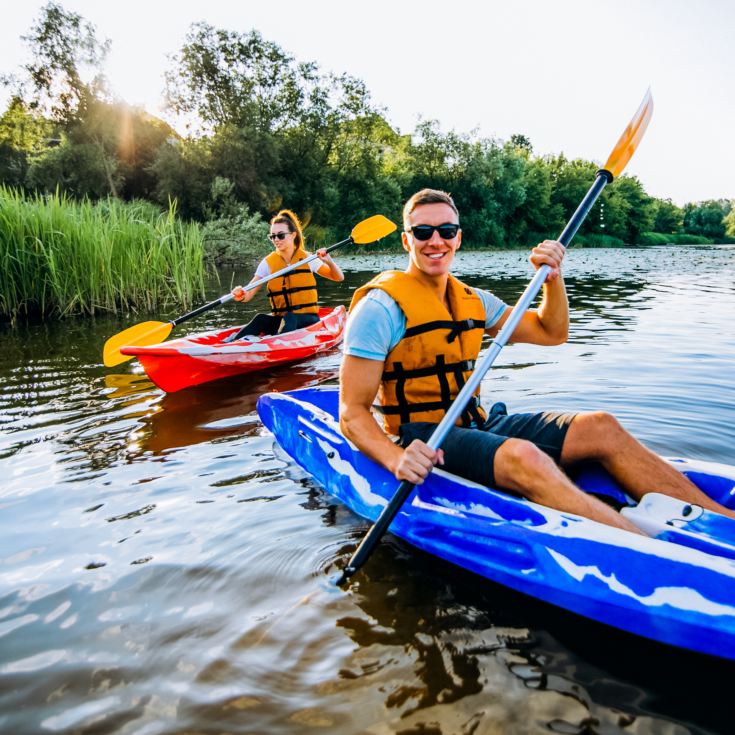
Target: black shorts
x=274 y=324
x=470 y=453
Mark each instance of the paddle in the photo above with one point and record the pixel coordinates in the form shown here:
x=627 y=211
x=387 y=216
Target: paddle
x=616 y=162
x=150 y=333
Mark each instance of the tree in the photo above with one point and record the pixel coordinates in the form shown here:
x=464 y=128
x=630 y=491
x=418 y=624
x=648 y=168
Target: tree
x=668 y=218
x=22 y=137
x=110 y=153
x=77 y=169
x=64 y=48
x=138 y=137
x=229 y=78
x=65 y=52
x=490 y=192
x=92 y=145
x=570 y=181
x=361 y=178
x=729 y=221
x=521 y=142
x=638 y=208
x=707 y=218
x=273 y=124
x=536 y=217
x=183 y=172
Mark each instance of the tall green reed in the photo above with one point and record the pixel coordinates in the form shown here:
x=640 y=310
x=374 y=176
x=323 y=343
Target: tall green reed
x=59 y=256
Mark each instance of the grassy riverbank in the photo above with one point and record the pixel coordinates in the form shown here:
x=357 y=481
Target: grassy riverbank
x=60 y=257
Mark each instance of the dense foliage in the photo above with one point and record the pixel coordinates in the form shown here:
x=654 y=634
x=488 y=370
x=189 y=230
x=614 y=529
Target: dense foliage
x=269 y=131
x=59 y=256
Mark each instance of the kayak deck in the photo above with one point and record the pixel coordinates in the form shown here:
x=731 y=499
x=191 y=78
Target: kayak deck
x=201 y=358
x=660 y=588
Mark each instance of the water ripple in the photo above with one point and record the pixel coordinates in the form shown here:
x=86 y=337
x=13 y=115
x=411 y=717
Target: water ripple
x=162 y=570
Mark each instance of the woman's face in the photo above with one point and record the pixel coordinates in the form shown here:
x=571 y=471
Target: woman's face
x=282 y=238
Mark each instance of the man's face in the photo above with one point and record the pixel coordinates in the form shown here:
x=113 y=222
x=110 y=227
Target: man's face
x=433 y=256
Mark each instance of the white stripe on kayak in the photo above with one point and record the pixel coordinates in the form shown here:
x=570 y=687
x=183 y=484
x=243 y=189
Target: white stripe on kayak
x=238 y=348
x=682 y=598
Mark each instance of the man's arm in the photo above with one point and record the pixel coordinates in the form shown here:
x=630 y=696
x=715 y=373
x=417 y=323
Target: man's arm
x=549 y=324
x=359 y=380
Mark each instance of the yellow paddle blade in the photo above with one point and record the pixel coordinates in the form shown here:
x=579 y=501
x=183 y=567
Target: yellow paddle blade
x=372 y=229
x=625 y=147
x=143 y=334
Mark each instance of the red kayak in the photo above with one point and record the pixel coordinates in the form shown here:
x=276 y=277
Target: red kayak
x=201 y=358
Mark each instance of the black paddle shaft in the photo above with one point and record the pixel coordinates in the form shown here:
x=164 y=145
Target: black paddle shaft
x=373 y=536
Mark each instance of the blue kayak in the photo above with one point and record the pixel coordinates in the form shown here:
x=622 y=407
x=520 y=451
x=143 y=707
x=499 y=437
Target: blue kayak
x=676 y=586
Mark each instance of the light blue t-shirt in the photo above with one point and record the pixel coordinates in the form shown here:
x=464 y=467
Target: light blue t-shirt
x=377 y=323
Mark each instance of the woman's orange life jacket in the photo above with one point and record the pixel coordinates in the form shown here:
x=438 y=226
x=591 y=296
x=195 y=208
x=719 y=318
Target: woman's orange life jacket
x=426 y=370
x=295 y=291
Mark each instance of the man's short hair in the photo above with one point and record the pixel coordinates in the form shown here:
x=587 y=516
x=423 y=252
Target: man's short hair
x=427 y=196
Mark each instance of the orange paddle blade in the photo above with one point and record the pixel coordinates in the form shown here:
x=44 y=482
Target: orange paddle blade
x=143 y=334
x=626 y=146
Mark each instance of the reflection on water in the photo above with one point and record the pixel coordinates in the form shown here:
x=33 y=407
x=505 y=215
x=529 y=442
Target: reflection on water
x=459 y=641
x=210 y=411
x=162 y=570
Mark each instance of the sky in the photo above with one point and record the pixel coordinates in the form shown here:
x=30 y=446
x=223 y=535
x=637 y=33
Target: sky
x=568 y=74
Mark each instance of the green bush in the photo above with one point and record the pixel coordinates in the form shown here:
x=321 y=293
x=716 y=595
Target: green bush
x=597 y=240
x=660 y=238
x=654 y=238
x=232 y=235
x=686 y=239
x=234 y=239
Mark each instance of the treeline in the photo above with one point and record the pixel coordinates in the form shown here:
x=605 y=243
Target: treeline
x=268 y=131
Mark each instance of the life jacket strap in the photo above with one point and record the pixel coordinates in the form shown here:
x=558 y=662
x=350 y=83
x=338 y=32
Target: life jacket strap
x=455 y=327
x=465 y=325
x=298 y=307
x=291 y=290
x=398 y=372
x=440 y=369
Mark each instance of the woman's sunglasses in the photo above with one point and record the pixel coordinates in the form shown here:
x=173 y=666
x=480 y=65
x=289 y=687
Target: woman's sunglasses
x=282 y=235
x=446 y=231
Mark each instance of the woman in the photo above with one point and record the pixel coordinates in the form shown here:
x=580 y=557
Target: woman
x=293 y=296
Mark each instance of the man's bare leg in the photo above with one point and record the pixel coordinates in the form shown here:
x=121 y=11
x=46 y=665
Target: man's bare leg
x=523 y=468
x=599 y=436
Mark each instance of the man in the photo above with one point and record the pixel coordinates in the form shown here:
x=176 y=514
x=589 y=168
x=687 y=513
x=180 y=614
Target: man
x=412 y=339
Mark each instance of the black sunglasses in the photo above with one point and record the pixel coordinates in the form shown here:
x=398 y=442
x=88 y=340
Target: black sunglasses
x=447 y=231
x=279 y=235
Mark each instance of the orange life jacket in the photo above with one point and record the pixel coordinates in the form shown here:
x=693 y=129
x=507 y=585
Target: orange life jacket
x=295 y=291
x=426 y=370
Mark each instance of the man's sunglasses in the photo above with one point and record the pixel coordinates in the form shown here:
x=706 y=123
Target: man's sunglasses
x=446 y=231
x=280 y=235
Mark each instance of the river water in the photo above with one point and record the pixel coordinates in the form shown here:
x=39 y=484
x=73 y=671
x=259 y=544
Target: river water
x=162 y=570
